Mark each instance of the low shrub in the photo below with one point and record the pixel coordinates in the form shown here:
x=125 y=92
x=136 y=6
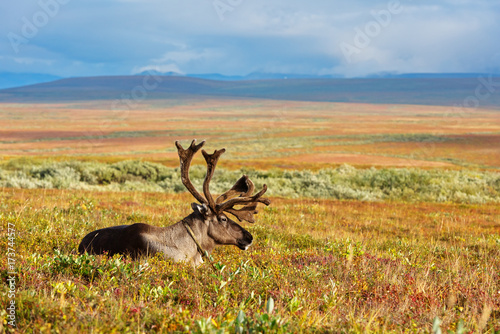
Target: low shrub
x=344 y=182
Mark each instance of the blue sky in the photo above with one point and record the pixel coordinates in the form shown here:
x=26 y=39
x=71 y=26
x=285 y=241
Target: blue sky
x=237 y=37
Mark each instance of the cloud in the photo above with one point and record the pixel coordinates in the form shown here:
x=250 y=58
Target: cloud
x=164 y=68
x=127 y=36
x=420 y=39
x=31 y=61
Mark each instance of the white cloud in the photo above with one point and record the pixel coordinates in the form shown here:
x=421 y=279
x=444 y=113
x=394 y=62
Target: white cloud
x=120 y=36
x=176 y=61
x=164 y=68
x=185 y=56
x=31 y=61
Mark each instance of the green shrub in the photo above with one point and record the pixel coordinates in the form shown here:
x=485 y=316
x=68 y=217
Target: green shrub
x=344 y=182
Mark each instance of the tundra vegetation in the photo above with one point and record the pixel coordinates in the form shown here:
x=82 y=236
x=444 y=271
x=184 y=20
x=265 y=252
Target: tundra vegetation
x=328 y=265
x=410 y=245
x=343 y=182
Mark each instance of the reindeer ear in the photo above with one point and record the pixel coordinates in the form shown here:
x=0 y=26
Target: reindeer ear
x=201 y=208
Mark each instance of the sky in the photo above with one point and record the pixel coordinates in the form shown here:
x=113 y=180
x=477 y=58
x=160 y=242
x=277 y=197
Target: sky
x=70 y=38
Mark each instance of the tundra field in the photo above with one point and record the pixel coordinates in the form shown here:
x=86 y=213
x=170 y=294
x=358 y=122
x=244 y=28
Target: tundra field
x=384 y=218
x=261 y=133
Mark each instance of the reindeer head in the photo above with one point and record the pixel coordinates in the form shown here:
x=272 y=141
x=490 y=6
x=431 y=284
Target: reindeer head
x=221 y=228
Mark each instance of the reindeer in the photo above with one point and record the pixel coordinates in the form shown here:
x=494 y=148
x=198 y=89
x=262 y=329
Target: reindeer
x=206 y=227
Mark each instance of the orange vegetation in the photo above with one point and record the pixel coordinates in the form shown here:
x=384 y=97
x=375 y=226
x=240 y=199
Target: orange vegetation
x=298 y=134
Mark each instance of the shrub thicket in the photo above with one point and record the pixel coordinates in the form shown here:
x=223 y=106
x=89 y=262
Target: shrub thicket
x=344 y=182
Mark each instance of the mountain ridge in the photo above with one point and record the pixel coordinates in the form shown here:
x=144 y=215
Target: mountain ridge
x=426 y=91
x=14 y=80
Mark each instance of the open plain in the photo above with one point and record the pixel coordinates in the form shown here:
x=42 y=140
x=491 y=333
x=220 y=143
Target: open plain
x=262 y=133
x=384 y=218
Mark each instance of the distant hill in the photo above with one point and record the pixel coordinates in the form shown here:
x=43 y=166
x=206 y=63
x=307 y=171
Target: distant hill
x=261 y=76
x=429 y=75
x=250 y=76
x=9 y=80
x=271 y=76
x=425 y=91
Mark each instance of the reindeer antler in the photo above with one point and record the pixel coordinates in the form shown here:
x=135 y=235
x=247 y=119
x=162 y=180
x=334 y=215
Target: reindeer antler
x=245 y=213
x=211 y=160
x=239 y=194
x=242 y=187
x=185 y=157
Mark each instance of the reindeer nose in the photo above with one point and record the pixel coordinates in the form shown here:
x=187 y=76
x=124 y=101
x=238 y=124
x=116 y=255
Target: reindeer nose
x=247 y=240
x=247 y=236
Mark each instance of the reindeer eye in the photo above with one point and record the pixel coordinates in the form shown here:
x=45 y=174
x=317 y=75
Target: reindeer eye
x=223 y=219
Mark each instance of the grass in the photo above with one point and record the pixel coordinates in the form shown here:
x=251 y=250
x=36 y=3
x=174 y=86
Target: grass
x=315 y=266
